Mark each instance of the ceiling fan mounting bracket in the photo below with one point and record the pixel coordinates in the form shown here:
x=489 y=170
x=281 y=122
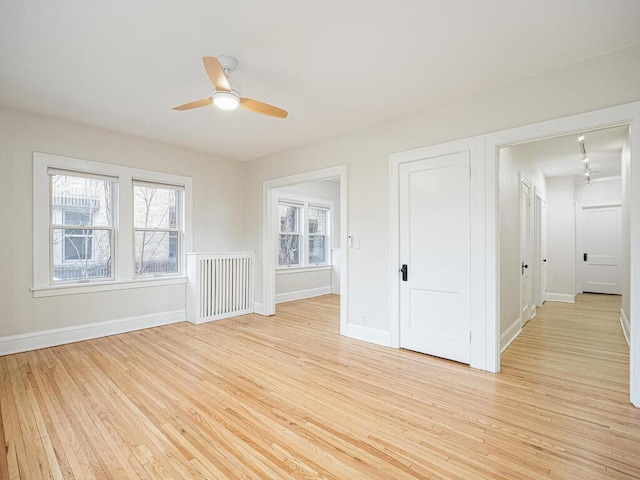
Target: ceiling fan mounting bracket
x=227 y=63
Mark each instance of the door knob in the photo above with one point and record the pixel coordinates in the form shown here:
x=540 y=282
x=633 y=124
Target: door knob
x=524 y=265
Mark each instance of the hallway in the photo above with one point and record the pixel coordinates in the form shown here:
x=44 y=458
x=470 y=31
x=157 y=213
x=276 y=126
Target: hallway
x=574 y=361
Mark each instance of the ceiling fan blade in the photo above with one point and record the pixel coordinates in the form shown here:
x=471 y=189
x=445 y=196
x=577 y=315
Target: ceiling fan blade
x=196 y=104
x=216 y=74
x=263 y=108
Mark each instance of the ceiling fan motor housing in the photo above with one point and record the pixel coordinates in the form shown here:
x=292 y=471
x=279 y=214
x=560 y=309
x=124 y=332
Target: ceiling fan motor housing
x=227 y=63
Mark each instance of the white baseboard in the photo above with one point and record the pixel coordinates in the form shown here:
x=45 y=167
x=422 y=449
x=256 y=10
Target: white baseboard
x=559 y=297
x=78 y=333
x=258 y=307
x=300 y=294
x=368 y=334
x=626 y=326
x=510 y=334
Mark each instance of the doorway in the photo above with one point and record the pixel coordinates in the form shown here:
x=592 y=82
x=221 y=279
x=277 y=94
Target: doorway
x=269 y=253
x=576 y=207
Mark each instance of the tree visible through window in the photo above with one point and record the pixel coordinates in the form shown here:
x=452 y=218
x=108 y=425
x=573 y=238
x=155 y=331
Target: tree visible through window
x=81 y=227
x=289 y=251
x=303 y=236
x=156 y=229
x=318 y=232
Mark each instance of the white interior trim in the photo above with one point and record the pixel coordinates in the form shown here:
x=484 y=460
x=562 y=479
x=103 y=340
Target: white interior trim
x=268 y=239
x=300 y=294
x=628 y=114
x=559 y=297
x=369 y=334
x=75 y=288
x=60 y=336
x=626 y=327
x=510 y=334
x=475 y=147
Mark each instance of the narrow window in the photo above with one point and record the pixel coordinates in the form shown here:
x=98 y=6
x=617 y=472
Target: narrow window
x=289 y=236
x=157 y=226
x=318 y=234
x=81 y=226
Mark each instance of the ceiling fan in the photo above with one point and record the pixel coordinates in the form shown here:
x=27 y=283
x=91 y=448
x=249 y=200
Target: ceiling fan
x=225 y=96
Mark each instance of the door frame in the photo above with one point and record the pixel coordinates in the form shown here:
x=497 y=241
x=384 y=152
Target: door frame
x=475 y=147
x=538 y=231
x=532 y=307
x=623 y=115
x=580 y=269
x=268 y=307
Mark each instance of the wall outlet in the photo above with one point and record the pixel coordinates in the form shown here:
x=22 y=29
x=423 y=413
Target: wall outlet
x=363 y=319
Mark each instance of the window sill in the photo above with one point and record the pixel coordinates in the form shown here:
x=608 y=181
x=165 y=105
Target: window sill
x=74 y=289
x=315 y=268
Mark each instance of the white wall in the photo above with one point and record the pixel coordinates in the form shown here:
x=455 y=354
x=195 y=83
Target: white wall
x=514 y=161
x=602 y=81
x=561 y=240
x=218 y=213
x=599 y=190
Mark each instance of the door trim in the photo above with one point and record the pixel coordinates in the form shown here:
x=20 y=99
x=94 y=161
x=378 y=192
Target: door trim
x=268 y=307
x=623 y=115
x=538 y=219
x=475 y=147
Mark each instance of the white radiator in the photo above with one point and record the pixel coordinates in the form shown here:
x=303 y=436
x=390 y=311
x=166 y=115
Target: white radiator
x=220 y=285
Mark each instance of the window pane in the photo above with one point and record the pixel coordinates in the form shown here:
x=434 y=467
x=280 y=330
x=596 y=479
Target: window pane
x=81 y=254
x=81 y=201
x=317 y=249
x=288 y=219
x=289 y=253
x=156 y=252
x=154 y=207
x=317 y=221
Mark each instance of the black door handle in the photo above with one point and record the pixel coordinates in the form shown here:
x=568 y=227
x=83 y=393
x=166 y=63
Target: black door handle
x=544 y=260
x=524 y=265
x=584 y=257
x=404 y=270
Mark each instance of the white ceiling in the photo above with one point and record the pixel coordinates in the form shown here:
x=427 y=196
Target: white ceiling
x=334 y=65
x=562 y=156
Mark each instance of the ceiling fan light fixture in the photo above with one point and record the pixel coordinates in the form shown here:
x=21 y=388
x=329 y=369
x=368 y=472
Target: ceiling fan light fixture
x=226 y=100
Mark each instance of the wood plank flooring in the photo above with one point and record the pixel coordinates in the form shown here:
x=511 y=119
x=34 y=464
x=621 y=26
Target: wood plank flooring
x=287 y=397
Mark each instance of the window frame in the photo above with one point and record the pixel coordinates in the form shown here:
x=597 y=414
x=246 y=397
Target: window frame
x=304 y=203
x=123 y=273
x=66 y=226
x=178 y=229
x=299 y=232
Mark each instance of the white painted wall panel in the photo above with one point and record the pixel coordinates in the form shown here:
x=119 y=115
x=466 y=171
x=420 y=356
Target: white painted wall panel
x=562 y=239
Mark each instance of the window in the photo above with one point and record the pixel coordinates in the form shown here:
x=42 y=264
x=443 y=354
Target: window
x=79 y=253
x=318 y=234
x=303 y=236
x=289 y=251
x=106 y=227
x=156 y=227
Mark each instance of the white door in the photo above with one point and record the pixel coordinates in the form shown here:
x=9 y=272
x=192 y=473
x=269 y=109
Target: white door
x=602 y=231
x=435 y=247
x=526 y=296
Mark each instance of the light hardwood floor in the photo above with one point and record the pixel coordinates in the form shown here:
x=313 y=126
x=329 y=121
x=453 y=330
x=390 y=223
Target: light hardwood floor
x=287 y=397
